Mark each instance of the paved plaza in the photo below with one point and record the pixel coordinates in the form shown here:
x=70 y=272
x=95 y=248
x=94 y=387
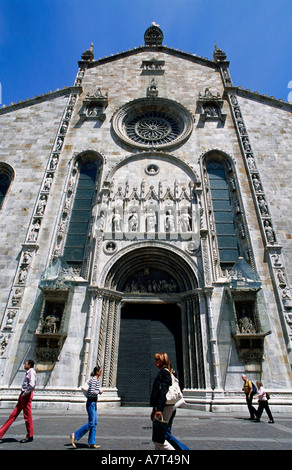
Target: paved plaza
x=129 y=429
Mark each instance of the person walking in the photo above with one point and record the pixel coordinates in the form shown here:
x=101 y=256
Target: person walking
x=249 y=393
x=24 y=403
x=92 y=397
x=263 y=403
x=160 y=409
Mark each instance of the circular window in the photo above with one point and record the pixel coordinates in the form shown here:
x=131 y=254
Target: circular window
x=152 y=169
x=153 y=122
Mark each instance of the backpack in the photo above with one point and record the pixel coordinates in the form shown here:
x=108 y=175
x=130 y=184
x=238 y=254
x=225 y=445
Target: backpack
x=254 y=389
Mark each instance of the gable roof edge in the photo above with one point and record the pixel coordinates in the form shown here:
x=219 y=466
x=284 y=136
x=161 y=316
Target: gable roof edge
x=38 y=99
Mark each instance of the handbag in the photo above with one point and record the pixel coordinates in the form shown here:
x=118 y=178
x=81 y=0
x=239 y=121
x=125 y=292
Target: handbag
x=174 y=393
x=159 y=428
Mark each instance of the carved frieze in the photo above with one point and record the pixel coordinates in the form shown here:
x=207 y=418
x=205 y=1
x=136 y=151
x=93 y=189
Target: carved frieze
x=156 y=212
x=152 y=67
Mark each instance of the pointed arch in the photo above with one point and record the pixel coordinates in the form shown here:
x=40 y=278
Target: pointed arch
x=229 y=238
x=83 y=186
x=6 y=177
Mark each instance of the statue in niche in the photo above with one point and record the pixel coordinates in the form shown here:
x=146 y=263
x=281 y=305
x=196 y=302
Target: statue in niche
x=26 y=257
x=276 y=259
x=41 y=205
x=51 y=324
x=246 y=325
x=152 y=88
x=185 y=221
x=281 y=277
x=101 y=222
x=245 y=321
x=269 y=232
x=117 y=221
x=68 y=114
x=48 y=183
x=64 y=128
x=4 y=342
x=151 y=221
x=54 y=162
x=256 y=183
x=11 y=314
x=22 y=276
x=16 y=297
x=34 y=231
x=251 y=162
x=263 y=206
x=246 y=145
x=286 y=298
x=211 y=110
x=169 y=222
x=59 y=144
x=133 y=222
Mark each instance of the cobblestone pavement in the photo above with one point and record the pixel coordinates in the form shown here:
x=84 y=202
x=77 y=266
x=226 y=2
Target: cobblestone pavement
x=129 y=429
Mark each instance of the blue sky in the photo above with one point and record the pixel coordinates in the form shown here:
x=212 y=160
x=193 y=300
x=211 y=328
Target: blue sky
x=41 y=41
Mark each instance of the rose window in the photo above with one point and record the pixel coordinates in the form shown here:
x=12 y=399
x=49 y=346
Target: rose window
x=153 y=128
x=156 y=123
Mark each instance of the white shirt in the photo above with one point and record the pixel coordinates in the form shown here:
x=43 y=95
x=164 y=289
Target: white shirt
x=29 y=382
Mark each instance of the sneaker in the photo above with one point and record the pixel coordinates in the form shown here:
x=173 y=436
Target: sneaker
x=271 y=421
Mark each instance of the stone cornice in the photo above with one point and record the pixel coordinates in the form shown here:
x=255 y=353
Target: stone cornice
x=39 y=99
x=262 y=98
x=164 y=49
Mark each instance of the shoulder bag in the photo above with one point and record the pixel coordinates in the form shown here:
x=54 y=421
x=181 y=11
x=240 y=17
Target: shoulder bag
x=174 y=393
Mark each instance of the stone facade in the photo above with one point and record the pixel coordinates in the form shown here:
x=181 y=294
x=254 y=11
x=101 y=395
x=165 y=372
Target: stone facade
x=157 y=124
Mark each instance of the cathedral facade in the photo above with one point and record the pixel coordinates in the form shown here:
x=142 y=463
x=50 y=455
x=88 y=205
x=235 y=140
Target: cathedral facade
x=144 y=209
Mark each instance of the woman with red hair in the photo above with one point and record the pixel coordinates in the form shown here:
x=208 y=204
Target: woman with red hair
x=160 y=409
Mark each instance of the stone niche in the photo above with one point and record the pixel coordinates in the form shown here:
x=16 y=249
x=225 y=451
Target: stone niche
x=209 y=106
x=57 y=287
x=249 y=319
x=94 y=106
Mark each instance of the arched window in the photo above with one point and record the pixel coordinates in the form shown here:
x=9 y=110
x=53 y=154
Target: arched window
x=222 y=187
x=6 y=176
x=81 y=214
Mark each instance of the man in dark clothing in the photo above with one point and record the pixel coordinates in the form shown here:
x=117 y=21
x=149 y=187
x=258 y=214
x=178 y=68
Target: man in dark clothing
x=248 y=390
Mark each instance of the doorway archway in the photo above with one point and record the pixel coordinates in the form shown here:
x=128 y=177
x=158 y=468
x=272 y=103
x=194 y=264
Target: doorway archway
x=150 y=293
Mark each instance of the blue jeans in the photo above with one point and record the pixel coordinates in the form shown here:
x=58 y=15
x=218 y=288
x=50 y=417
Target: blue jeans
x=91 y=425
x=173 y=440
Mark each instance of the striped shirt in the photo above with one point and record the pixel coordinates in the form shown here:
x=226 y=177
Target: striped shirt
x=93 y=389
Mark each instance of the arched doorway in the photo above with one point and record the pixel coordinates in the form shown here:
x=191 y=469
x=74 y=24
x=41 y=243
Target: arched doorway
x=150 y=304
x=146 y=329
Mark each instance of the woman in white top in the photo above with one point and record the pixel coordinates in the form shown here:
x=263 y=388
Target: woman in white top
x=263 y=403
